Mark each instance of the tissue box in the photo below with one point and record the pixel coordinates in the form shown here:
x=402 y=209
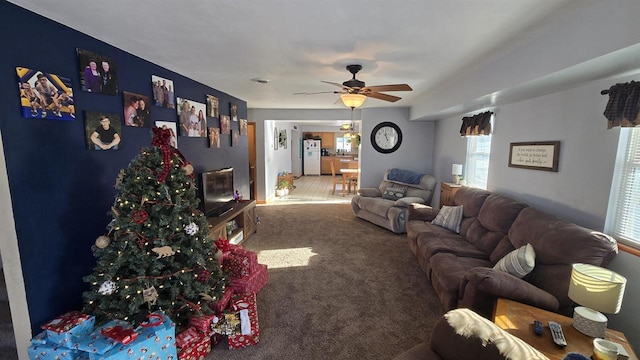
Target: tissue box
x=251 y=335
x=252 y=283
x=156 y=340
x=51 y=351
x=198 y=349
x=68 y=328
x=96 y=343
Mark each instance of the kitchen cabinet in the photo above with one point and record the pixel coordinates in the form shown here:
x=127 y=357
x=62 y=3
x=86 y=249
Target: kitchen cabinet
x=325 y=165
x=328 y=140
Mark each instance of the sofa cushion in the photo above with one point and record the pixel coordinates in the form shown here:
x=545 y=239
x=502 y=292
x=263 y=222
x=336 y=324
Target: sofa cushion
x=394 y=192
x=430 y=244
x=471 y=199
x=493 y=221
x=378 y=206
x=519 y=262
x=447 y=272
x=449 y=217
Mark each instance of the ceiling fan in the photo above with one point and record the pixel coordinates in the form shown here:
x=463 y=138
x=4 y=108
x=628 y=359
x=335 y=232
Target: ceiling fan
x=358 y=88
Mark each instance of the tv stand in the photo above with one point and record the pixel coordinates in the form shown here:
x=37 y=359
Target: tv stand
x=243 y=212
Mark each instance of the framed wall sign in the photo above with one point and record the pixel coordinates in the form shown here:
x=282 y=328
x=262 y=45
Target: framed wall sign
x=541 y=155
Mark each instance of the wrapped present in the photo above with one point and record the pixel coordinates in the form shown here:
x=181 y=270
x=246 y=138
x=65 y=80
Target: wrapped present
x=229 y=324
x=252 y=283
x=156 y=340
x=249 y=329
x=236 y=265
x=187 y=337
x=251 y=256
x=220 y=305
x=40 y=338
x=202 y=322
x=197 y=349
x=106 y=337
x=68 y=328
x=51 y=351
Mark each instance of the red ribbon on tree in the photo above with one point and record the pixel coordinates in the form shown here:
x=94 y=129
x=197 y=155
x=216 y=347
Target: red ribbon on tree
x=161 y=139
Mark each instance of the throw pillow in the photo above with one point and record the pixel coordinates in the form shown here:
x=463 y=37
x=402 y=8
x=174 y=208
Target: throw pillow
x=449 y=217
x=519 y=262
x=394 y=192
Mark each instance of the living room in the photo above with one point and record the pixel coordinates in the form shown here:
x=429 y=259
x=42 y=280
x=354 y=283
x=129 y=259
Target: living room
x=43 y=176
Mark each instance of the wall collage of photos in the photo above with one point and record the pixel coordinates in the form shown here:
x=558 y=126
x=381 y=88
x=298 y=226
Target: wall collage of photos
x=49 y=96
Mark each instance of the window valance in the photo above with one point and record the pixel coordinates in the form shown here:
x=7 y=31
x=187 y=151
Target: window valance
x=479 y=124
x=622 y=108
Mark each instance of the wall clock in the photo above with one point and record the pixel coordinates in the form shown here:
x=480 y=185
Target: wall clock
x=386 y=137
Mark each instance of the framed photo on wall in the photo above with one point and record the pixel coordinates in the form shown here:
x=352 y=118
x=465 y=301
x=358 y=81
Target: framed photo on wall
x=213 y=109
x=103 y=131
x=243 y=127
x=137 y=112
x=191 y=117
x=225 y=125
x=214 y=137
x=233 y=110
x=164 y=94
x=45 y=95
x=174 y=131
x=97 y=73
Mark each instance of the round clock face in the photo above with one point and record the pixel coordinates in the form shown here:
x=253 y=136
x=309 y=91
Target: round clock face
x=386 y=137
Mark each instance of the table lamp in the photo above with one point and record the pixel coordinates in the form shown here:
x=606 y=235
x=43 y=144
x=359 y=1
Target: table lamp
x=597 y=290
x=456 y=170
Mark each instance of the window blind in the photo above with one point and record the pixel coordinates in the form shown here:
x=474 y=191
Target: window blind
x=627 y=218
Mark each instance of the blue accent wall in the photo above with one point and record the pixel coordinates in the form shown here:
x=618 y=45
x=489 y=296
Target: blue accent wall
x=61 y=192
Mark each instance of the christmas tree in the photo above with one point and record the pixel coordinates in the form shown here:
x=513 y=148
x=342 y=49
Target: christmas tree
x=156 y=254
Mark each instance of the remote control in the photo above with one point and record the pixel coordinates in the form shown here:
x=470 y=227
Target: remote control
x=537 y=327
x=557 y=334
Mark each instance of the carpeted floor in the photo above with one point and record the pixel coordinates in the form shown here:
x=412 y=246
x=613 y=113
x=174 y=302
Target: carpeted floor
x=339 y=288
x=7 y=339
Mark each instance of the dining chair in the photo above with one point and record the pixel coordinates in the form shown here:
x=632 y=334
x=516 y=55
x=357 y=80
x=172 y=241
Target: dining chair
x=333 y=177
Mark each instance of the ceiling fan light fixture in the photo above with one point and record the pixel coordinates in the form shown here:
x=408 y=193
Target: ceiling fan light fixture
x=353 y=100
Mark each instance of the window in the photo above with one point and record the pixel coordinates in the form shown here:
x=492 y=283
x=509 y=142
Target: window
x=478 y=151
x=343 y=144
x=623 y=215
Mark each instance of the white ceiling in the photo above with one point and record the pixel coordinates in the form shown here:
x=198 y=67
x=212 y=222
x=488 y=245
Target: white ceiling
x=297 y=43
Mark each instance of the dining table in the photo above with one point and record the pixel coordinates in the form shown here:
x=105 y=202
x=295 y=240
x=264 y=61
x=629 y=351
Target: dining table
x=347 y=176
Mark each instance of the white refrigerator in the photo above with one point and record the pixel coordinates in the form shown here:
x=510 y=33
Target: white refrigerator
x=311 y=157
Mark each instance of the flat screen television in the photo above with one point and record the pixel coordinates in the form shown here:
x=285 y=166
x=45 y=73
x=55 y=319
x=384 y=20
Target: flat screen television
x=217 y=191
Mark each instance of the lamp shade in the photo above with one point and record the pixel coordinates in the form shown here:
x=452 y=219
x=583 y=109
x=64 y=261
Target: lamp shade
x=456 y=169
x=597 y=288
x=353 y=100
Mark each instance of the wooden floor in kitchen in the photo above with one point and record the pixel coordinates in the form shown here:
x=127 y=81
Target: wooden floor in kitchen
x=314 y=189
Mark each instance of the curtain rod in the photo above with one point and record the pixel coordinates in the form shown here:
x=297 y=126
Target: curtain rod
x=604 y=92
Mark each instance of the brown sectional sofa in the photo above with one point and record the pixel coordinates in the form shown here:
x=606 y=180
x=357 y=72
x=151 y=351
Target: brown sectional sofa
x=460 y=266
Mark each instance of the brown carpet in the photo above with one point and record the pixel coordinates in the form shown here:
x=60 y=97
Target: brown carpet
x=339 y=288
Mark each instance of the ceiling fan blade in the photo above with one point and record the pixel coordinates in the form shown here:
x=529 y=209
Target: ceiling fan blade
x=318 y=92
x=382 y=96
x=338 y=85
x=393 y=87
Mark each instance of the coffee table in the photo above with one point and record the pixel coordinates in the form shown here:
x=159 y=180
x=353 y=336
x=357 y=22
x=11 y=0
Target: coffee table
x=517 y=319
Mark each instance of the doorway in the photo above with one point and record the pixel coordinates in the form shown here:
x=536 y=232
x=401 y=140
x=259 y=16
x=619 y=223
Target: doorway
x=253 y=176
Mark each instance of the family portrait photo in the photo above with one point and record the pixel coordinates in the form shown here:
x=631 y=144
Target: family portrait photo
x=225 y=125
x=103 y=131
x=193 y=122
x=243 y=127
x=164 y=94
x=45 y=95
x=233 y=110
x=214 y=137
x=97 y=73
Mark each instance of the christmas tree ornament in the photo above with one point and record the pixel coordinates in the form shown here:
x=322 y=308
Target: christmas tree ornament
x=150 y=295
x=139 y=216
x=163 y=251
x=102 y=241
x=191 y=229
x=207 y=297
x=107 y=288
x=115 y=212
x=188 y=169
